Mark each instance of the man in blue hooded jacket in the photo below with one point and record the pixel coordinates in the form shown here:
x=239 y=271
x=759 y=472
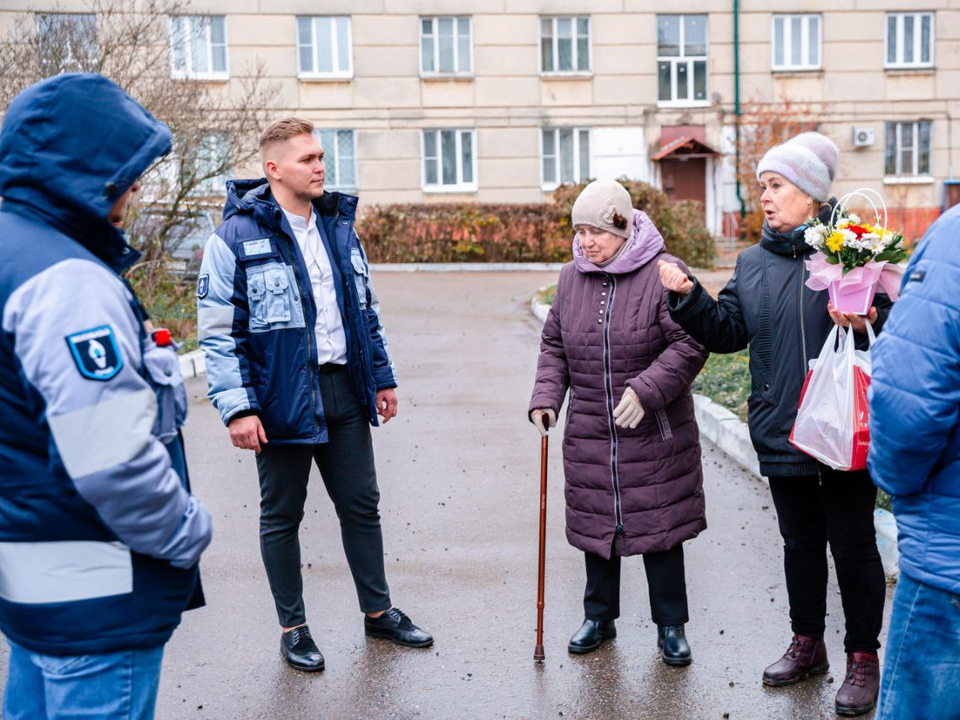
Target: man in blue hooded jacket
x=99 y=535
x=298 y=366
x=915 y=456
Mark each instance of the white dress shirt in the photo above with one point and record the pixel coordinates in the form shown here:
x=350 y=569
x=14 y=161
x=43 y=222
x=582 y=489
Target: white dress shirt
x=331 y=339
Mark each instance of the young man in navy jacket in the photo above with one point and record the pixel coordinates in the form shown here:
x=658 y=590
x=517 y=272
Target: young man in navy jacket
x=298 y=367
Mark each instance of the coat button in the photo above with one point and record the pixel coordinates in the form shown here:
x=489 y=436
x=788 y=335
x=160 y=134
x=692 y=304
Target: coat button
x=603 y=302
x=599 y=321
x=604 y=285
x=603 y=294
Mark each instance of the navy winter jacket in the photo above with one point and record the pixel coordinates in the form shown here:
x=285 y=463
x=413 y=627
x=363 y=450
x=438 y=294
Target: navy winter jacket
x=99 y=538
x=257 y=314
x=915 y=409
x=767 y=306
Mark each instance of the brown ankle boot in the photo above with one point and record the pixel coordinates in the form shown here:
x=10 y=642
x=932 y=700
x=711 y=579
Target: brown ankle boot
x=860 y=688
x=806 y=656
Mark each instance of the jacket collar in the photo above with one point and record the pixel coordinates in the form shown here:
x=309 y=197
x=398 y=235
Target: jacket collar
x=793 y=242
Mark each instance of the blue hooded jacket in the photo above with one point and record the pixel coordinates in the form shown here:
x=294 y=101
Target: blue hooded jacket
x=257 y=313
x=99 y=538
x=915 y=409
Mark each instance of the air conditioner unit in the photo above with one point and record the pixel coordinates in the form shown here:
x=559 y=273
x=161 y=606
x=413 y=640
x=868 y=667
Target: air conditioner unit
x=863 y=137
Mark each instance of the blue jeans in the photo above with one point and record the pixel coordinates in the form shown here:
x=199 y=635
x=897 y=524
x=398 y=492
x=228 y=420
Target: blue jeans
x=113 y=685
x=921 y=672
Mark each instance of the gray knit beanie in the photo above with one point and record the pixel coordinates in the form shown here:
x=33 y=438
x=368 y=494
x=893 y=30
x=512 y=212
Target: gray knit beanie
x=808 y=160
x=604 y=204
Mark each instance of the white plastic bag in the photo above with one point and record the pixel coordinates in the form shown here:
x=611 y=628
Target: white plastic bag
x=831 y=417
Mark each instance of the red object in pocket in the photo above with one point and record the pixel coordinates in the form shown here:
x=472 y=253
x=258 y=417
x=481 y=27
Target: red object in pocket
x=861 y=428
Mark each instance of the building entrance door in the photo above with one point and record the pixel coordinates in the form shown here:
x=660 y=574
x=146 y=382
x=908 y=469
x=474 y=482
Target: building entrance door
x=685 y=180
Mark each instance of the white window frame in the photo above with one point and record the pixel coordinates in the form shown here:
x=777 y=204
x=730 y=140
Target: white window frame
x=579 y=176
x=913 y=174
x=49 y=20
x=189 y=74
x=435 y=25
x=898 y=63
x=806 y=20
x=460 y=185
x=335 y=155
x=577 y=71
x=334 y=40
x=675 y=60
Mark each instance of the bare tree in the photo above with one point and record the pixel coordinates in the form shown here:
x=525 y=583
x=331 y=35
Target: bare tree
x=148 y=49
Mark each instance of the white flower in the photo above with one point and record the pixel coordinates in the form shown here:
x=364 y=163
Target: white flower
x=854 y=219
x=872 y=242
x=815 y=235
x=850 y=238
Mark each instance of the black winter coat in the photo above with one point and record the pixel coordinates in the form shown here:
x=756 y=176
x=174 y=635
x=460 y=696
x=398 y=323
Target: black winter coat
x=767 y=306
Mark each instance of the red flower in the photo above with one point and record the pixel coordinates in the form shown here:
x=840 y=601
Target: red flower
x=857 y=230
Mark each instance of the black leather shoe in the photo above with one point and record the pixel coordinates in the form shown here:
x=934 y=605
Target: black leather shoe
x=591 y=635
x=394 y=625
x=300 y=651
x=673 y=645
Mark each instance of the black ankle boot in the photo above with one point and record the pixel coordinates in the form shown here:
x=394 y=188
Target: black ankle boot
x=674 y=648
x=591 y=635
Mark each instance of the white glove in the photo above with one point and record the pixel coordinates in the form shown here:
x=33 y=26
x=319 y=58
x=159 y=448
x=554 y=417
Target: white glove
x=629 y=412
x=544 y=419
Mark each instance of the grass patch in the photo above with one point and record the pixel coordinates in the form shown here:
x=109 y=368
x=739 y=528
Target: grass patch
x=725 y=379
x=547 y=295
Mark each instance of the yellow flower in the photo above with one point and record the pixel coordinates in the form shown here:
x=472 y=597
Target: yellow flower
x=835 y=242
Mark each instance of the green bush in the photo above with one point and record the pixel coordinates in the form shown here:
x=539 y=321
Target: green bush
x=471 y=232
x=725 y=379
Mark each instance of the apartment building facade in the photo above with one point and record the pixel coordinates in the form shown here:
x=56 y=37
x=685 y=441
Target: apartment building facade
x=502 y=100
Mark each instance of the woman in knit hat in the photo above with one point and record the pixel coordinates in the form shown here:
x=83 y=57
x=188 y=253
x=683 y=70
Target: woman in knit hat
x=631 y=449
x=767 y=307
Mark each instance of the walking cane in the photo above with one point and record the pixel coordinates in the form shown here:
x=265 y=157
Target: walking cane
x=538 y=655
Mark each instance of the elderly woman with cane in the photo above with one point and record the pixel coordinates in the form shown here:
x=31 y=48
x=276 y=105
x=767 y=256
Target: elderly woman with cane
x=631 y=449
x=767 y=307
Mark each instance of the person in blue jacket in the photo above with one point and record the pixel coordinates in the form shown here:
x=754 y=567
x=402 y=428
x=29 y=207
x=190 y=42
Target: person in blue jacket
x=298 y=367
x=915 y=456
x=99 y=534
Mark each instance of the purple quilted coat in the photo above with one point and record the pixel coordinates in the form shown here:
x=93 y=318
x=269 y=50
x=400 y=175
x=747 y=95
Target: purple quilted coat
x=608 y=329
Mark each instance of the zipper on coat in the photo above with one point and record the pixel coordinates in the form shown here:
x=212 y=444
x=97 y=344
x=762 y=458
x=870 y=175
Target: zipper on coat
x=608 y=389
x=803 y=329
x=314 y=371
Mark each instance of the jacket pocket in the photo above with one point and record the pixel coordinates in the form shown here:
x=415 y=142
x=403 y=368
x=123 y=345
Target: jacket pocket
x=271 y=297
x=361 y=276
x=663 y=422
x=163 y=374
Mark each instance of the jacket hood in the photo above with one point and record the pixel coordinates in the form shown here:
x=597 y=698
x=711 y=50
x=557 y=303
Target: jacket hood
x=793 y=242
x=644 y=244
x=70 y=146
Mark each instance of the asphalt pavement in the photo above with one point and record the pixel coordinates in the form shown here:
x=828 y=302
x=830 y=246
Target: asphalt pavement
x=459 y=478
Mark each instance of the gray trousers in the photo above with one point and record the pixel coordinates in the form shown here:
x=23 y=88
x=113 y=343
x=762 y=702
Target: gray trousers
x=347 y=468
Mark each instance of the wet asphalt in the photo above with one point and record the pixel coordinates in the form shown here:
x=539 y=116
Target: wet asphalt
x=459 y=479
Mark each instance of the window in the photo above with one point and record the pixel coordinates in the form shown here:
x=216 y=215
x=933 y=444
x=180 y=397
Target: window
x=211 y=165
x=446 y=46
x=682 y=59
x=796 y=42
x=449 y=160
x=198 y=46
x=909 y=40
x=324 y=47
x=340 y=158
x=565 y=45
x=907 y=149
x=566 y=156
x=68 y=43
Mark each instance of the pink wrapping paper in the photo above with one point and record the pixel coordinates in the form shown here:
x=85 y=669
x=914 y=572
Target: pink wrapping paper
x=823 y=273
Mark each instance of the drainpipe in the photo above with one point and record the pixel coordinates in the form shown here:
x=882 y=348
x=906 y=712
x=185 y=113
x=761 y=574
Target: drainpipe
x=736 y=108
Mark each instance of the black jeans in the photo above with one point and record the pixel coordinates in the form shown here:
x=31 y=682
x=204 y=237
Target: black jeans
x=666 y=582
x=836 y=508
x=350 y=477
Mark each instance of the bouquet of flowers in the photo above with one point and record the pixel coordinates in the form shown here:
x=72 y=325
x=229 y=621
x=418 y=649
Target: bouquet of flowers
x=853 y=256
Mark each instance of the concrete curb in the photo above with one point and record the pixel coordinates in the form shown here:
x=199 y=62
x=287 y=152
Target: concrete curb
x=465 y=267
x=193 y=364
x=725 y=430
